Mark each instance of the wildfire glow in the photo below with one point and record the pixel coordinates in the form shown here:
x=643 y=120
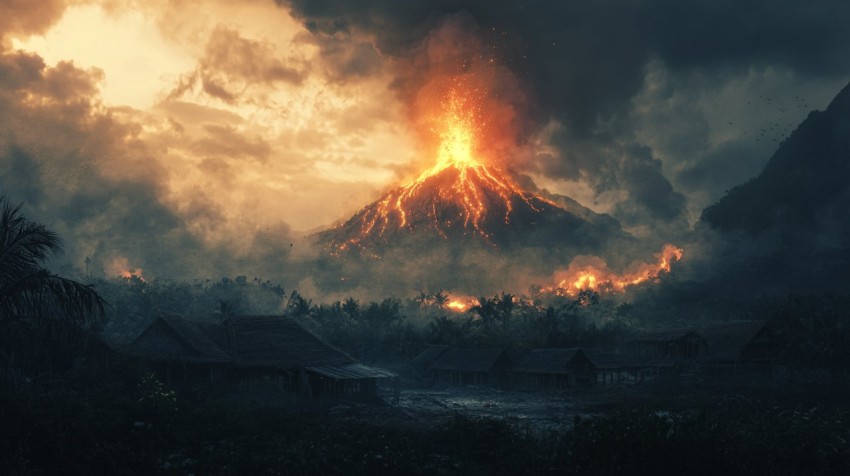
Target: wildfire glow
x=120 y=267
x=591 y=273
x=461 y=303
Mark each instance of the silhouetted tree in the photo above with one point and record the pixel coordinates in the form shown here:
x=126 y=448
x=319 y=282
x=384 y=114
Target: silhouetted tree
x=351 y=307
x=27 y=288
x=40 y=312
x=441 y=299
x=297 y=305
x=423 y=299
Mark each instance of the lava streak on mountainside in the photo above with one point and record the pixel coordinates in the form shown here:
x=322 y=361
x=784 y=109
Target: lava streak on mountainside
x=464 y=193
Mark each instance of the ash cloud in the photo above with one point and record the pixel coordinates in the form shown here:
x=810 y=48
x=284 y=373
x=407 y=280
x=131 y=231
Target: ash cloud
x=628 y=98
x=88 y=176
x=586 y=68
x=231 y=64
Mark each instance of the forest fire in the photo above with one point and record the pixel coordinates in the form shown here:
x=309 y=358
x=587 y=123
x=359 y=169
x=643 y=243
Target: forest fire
x=592 y=273
x=120 y=267
x=461 y=303
x=133 y=274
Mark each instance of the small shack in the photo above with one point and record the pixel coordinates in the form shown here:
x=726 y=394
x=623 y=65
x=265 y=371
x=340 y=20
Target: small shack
x=732 y=344
x=459 y=367
x=253 y=347
x=558 y=369
x=421 y=364
x=181 y=351
x=677 y=344
x=616 y=369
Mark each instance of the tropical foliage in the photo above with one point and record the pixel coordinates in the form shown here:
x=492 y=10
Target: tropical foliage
x=27 y=288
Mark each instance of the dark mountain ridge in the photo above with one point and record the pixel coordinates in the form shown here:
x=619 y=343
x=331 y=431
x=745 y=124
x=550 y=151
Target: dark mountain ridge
x=804 y=190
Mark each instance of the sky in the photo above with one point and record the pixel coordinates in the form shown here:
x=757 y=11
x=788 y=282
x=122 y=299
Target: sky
x=199 y=138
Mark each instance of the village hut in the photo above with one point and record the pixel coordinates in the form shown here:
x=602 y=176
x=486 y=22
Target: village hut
x=458 y=367
x=681 y=345
x=558 y=369
x=182 y=351
x=421 y=364
x=733 y=344
x=620 y=369
x=253 y=347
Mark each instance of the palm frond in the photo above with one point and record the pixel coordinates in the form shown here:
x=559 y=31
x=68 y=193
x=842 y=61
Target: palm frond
x=26 y=288
x=23 y=244
x=42 y=294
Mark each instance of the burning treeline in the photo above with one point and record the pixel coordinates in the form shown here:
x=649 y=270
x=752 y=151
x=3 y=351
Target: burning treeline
x=591 y=273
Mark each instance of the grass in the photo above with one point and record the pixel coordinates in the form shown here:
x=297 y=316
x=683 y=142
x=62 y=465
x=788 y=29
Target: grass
x=114 y=431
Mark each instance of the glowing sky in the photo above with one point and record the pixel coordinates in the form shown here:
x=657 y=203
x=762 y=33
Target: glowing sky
x=237 y=103
x=237 y=126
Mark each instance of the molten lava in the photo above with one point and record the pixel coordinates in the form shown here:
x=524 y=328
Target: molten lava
x=461 y=189
x=592 y=273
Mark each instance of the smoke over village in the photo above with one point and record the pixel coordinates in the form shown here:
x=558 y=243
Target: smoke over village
x=449 y=237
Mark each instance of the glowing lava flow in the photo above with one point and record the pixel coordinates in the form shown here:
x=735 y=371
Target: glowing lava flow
x=591 y=273
x=460 y=189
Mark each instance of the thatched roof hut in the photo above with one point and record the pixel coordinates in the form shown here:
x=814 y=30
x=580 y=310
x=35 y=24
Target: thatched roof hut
x=252 y=347
x=428 y=356
x=470 y=366
x=279 y=342
x=176 y=339
x=746 y=341
x=556 y=368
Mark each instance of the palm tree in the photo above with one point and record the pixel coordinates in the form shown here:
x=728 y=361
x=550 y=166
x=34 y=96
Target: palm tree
x=441 y=299
x=27 y=288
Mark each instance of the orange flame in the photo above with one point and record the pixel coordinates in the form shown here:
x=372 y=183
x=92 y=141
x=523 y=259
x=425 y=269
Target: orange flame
x=133 y=273
x=462 y=174
x=461 y=303
x=592 y=273
x=121 y=267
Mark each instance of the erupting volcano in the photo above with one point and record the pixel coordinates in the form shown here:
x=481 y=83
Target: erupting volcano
x=465 y=197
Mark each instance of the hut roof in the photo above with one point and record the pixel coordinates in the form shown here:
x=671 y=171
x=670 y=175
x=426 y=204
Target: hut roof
x=665 y=335
x=429 y=355
x=552 y=361
x=351 y=372
x=610 y=361
x=279 y=342
x=179 y=339
x=725 y=341
x=469 y=360
x=254 y=341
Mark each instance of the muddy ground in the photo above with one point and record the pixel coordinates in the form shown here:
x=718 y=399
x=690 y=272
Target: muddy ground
x=538 y=412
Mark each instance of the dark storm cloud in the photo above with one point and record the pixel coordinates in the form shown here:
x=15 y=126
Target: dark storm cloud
x=583 y=63
x=586 y=59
